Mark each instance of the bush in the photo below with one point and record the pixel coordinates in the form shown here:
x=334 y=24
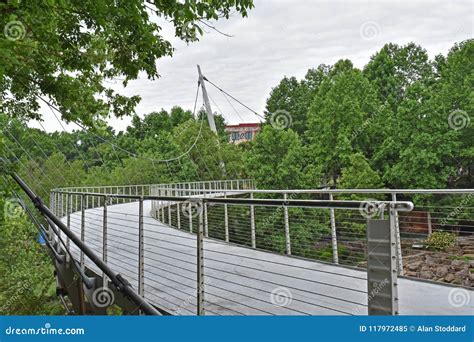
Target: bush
x=441 y=240
x=27 y=285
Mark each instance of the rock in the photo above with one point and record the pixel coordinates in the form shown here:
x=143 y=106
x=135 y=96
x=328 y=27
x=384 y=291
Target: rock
x=468 y=255
x=429 y=259
x=414 y=265
x=426 y=275
x=441 y=271
x=412 y=274
x=467 y=282
x=449 y=277
x=457 y=263
x=425 y=268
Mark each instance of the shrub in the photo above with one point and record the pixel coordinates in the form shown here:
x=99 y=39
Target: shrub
x=441 y=240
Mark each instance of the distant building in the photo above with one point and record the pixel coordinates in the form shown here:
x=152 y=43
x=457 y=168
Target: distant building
x=242 y=132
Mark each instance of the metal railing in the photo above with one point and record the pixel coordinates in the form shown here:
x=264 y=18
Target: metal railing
x=197 y=273
x=451 y=213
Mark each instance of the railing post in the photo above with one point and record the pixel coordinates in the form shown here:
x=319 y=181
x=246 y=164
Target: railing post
x=200 y=264
x=287 y=226
x=398 y=241
x=60 y=215
x=162 y=206
x=169 y=213
x=178 y=215
x=68 y=223
x=190 y=217
x=252 y=223
x=430 y=227
x=83 y=228
x=206 y=222
x=335 y=255
x=382 y=286
x=226 y=220
x=104 y=238
x=141 y=250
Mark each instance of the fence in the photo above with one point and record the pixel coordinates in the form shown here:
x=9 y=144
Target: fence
x=217 y=262
x=446 y=256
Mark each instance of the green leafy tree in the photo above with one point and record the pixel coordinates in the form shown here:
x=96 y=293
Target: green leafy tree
x=295 y=97
x=62 y=51
x=344 y=101
x=359 y=175
x=394 y=68
x=276 y=159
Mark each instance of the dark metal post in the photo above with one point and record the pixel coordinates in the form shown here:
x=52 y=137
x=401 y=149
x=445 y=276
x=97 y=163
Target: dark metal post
x=141 y=251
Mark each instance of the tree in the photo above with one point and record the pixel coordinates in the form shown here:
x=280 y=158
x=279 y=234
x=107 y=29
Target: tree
x=62 y=51
x=394 y=68
x=344 y=101
x=429 y=139
x=294 y=97
x=276 y=159
x=359 y=175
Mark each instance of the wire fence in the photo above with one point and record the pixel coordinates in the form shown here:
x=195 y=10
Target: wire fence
x=225 y=252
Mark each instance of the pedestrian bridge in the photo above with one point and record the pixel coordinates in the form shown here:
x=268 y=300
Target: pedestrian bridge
x=226 y=248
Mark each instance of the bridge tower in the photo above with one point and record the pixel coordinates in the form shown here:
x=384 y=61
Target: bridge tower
x=210 y=115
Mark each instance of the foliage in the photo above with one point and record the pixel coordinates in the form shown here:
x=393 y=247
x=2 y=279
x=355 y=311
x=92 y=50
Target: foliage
x=441 y=240
x=343 y=102
x=27 y=285
x=275 y=159
x=359 y=175
x=64 y=50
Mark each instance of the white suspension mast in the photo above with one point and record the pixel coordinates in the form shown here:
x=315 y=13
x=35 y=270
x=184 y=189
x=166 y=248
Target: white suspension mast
x=207 y=104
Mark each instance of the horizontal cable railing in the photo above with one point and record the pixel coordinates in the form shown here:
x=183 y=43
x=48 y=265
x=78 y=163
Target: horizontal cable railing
x=446 y=212
x=223 y=252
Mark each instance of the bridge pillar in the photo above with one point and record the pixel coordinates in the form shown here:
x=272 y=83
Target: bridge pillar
x=200 y=263
x=382 y=285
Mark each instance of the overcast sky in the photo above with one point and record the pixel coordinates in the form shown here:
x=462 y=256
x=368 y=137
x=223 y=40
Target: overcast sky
x=286 y=38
